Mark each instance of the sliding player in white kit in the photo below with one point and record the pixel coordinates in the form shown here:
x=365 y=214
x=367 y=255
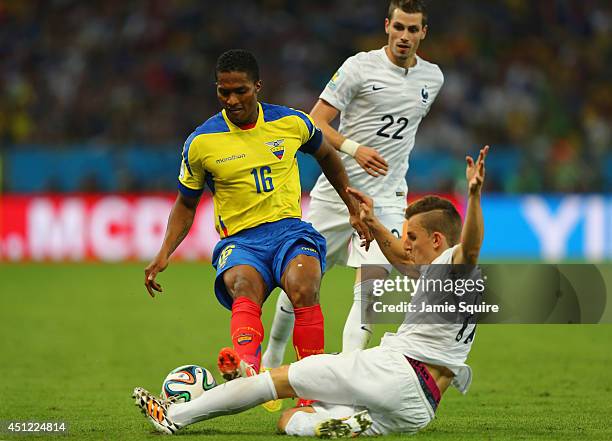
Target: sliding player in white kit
x=392 y=388
x=382 y=96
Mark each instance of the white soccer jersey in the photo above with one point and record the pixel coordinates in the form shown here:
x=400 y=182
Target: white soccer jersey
x=442 y=345
x=381 y=106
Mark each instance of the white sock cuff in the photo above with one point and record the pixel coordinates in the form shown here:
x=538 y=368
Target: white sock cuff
x=284 y=302
x=267 y=377
x=357 y=288
x=362 y=291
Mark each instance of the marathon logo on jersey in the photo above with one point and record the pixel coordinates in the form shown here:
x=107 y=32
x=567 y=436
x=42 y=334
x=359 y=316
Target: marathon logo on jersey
x=424 y=95
x=244 y=339
x=230 y=158
x=277 y=148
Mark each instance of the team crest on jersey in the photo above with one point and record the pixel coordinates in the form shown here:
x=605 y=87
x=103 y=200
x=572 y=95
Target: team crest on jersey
x=424 y=95
x=277 y=148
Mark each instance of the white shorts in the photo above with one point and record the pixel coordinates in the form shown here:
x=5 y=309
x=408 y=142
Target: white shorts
x=343 y=244
x=378 y=379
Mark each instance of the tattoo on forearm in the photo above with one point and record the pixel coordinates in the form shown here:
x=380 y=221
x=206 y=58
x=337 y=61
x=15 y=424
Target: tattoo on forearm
x=387 y=243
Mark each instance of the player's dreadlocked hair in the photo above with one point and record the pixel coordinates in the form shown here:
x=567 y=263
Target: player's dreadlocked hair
x=238 y=60
x=410 y=7
x=440 y=215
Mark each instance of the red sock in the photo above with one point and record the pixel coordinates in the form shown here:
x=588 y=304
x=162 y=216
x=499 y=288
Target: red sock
x=308 y=331
x=247 y=330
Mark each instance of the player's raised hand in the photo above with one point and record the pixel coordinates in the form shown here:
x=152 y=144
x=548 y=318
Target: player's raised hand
x=158 y=264
x=371 y=161
x=475 y=171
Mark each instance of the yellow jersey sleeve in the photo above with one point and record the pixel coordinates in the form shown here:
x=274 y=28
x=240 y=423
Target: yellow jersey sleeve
x=192 y=174
x=311 y=134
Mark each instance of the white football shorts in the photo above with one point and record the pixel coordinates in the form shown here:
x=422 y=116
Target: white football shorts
x=378 y=379
x=343 y=244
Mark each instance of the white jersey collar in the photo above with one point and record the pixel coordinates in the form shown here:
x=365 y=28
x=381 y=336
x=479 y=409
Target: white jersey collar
x=397 y=68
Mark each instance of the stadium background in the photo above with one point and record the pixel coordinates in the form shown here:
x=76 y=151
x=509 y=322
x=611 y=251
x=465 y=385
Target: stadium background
x=96 y=99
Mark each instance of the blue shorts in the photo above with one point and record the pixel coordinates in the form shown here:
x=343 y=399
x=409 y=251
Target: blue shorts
x=268 y=248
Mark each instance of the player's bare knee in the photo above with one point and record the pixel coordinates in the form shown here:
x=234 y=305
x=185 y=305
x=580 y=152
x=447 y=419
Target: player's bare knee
x=302 y=280
x=303 y=293
x=241 y=285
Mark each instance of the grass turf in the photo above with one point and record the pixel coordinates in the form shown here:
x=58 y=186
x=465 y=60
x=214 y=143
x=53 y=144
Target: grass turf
x=76 y=338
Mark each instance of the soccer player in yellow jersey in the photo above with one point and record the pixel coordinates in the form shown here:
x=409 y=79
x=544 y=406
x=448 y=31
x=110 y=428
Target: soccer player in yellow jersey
x=246 y=155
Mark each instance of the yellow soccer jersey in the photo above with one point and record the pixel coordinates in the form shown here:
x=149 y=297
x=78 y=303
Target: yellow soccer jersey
x=253 y=173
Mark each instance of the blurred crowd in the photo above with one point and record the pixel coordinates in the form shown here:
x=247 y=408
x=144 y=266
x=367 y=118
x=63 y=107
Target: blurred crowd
x=534 y=79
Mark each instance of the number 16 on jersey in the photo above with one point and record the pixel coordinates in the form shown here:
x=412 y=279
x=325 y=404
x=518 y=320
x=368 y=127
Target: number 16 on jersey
x=263 y=182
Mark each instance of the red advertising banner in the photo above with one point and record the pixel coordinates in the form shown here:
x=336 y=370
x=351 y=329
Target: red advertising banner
x=99 y=227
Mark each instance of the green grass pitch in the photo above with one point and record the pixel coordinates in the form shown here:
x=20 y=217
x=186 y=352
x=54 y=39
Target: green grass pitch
x=76 y=338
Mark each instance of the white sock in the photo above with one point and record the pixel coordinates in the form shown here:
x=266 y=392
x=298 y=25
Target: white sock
x=357 y=335
x=302 y=424
x=232 y=397
x=282 y=327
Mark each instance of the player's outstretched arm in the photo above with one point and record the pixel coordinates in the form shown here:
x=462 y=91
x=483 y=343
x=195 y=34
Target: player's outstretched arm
x=472 y=233
x=368 y=158
x=334 y=171
x=179 y=223
x=391 y=246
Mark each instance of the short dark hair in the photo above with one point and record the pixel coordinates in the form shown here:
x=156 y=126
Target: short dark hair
x=440 y=215
x=238 y=60
x=410 y=7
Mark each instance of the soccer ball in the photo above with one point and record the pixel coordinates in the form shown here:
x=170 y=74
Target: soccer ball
x=186 y=383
